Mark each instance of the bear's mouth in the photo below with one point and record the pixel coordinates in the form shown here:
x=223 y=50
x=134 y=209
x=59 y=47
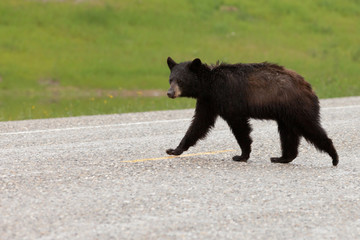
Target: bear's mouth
x=172 y=96
x=174 y=92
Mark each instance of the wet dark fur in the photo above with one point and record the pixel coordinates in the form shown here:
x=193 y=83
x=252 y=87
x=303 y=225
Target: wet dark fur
x=237 y=92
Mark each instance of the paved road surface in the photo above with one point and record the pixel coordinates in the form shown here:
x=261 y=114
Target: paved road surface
x=108 y=177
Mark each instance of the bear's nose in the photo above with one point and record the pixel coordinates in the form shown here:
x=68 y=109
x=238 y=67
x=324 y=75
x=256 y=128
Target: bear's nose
x=171 y=94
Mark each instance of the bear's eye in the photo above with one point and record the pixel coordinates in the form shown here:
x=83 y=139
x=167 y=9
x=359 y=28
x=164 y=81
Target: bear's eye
x=179 y=82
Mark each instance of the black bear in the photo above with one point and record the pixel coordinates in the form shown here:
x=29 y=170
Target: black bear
x=237 y=92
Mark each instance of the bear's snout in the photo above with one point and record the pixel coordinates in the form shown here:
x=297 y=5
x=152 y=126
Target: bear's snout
x=171 y=93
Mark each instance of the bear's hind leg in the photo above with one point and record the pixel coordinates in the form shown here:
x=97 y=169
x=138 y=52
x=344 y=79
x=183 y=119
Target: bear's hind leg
x=289 y=144
x=241 y=130
x=315 y=134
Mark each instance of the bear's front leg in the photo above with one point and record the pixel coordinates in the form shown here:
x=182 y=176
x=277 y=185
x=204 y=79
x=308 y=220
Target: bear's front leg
x=281 y=160
x=241 y=158
x=176 y=151
x=241 y=129
x=204 y=119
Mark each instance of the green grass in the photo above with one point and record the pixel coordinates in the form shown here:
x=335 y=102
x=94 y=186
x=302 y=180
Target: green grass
x=111 y=45
x=51 y=106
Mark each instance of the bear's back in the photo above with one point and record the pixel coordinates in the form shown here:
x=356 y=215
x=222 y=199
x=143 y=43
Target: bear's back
x=264 y=84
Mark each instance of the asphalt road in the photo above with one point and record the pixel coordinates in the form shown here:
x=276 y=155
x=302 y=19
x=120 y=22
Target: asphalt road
x=108 y=177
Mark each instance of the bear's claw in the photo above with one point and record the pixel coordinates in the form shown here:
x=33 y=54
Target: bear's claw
x=174 y=151
x=280 y=160
x=240 y=158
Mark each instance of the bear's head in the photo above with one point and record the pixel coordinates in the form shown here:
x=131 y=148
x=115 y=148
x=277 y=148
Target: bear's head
x=184 y=78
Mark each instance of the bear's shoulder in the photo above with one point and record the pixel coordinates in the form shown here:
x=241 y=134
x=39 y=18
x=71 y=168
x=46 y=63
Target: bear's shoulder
x=245 y=67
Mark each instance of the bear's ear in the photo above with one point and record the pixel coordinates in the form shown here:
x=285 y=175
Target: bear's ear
x=195 y=65
x=170 y=62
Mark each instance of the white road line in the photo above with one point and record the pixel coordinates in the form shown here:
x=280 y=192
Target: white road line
x=96 y=126
x=135 y=123
x=341 y=107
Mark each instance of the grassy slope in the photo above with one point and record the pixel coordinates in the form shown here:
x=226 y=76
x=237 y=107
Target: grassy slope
x=53 y=55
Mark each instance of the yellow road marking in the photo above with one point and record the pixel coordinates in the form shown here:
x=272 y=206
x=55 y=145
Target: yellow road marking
x=180 y=156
